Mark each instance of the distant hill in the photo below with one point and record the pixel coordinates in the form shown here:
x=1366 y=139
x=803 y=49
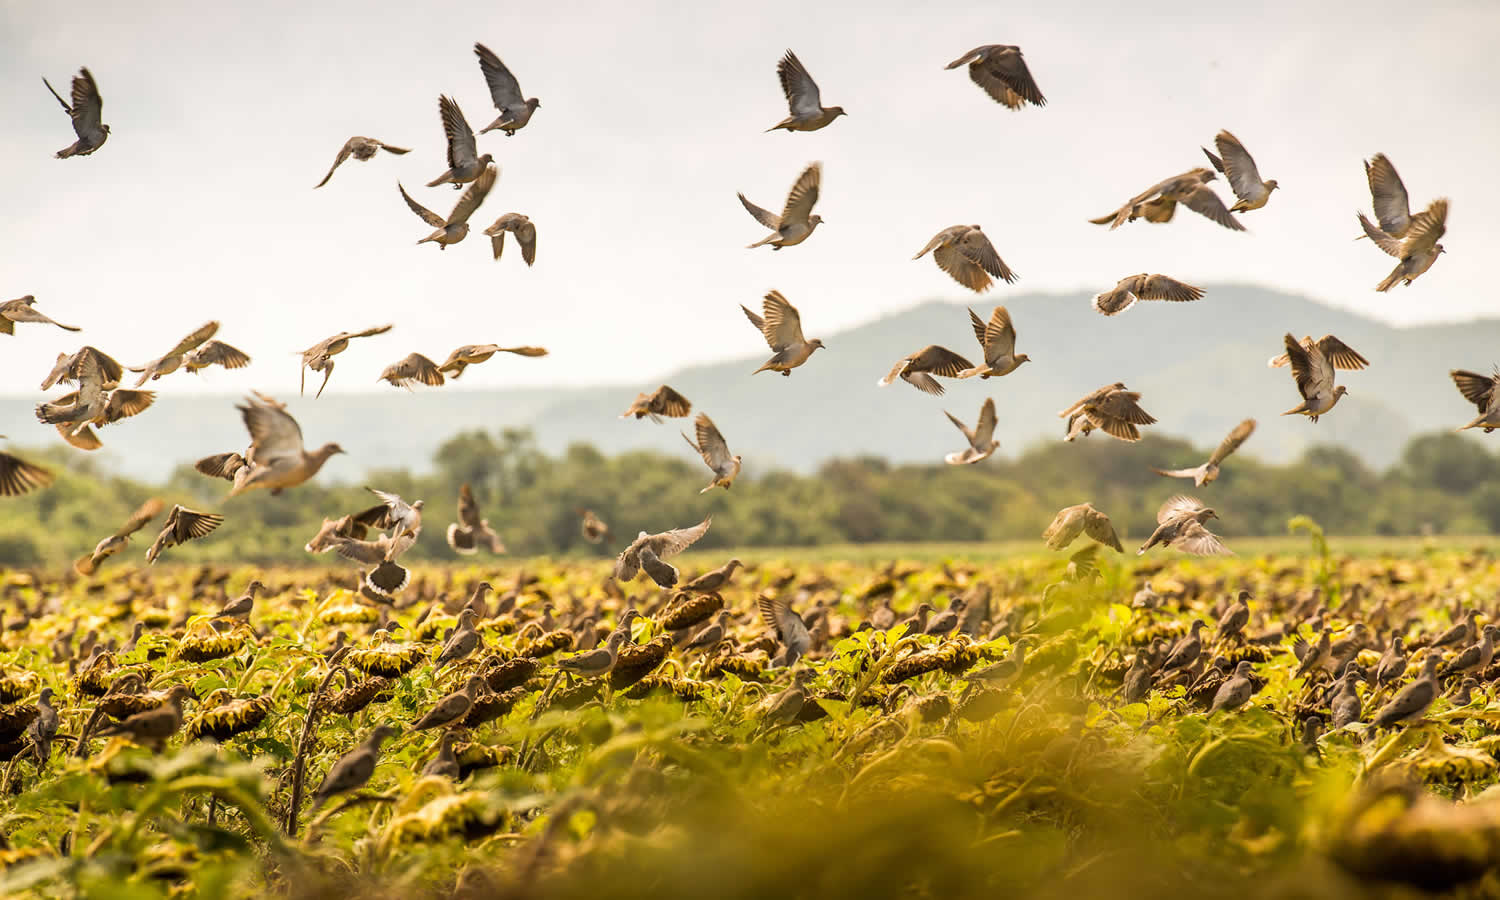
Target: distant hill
x=1200 y=366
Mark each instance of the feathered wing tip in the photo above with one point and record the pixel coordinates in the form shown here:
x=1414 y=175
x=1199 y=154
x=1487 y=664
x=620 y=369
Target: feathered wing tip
x=461 y=540
x=387 y=579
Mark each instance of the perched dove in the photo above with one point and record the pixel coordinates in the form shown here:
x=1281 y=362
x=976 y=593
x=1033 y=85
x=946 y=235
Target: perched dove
x=505 y=92
x=781 y=326
x=965 y=253
x=1000 y=70
x=797 y=221
x=1412 y=701
x=981 y=437
x=450 y=709
x=361 y=148
x=354 y=768
x=597 y=662
x=153 y=726
x=86 y=112
x=804 y=100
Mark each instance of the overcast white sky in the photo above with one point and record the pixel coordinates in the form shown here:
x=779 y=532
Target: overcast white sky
x=201 y=205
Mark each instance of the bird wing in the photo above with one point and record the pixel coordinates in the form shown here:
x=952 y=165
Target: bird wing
x=186 y=524
x=1203 y=201
x=803 y=195
x=1388 y=195
x=1310 y=367
x=763 y=216
x=783 y=326
x=999 y=337
x=711 y=444
x=789 y=627
x=969 y=435
x=980 y=333
x=473 y=195
x=672 y=542
x=370 y=553
x=88 y=106
x=344 y=152
x=984 y=429
x=667 y=402
x=802 y=95
x=1115 y=428
x=425 y=214
x=1177 y=507
x=205 y=332
x=17 y=476
x=1066 y=526
x=760 y=325
x=940 y=361
x=462 y=152
x=1239 y=166
x=963 y=270
x=1199 y=541
x=997 y=87
x=19 y=311
x=505 y=91
x=141 y=517
x=527 y=238
x=1477 y=389
x=1125 y=406
x=274 y=434
x=1391 y=245
x=468 y=508
x=1160 y=287
x=221 y=354
x=976 y=248
x=1232 y=441
x=126 y=403
x=1098 y=526
x=1427 y=228
x=1340 y=354
x=1011 y=68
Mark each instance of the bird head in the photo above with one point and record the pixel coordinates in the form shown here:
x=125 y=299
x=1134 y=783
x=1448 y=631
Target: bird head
x=836 y=111
x=1340 y=391
x=476 y=684
x=816 y=342
x=1271 y=184
x=534 y=104
x=331 y=449
x=383 y=733
x=254 y=586
x=814 y=220
x=486 y=159
x=1022 y=358
x=1438 y=248
x=45 y=696
x=416 y=504
x=735 y=563
x=1243 y=669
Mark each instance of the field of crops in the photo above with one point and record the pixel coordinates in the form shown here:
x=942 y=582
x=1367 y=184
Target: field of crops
x=884 y=762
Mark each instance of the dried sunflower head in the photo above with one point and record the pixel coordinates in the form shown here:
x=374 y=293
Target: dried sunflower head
x=197 y=648
x=17 y=684
x=692 y=611
x=227 y=719
x=635 y=663
x=507 y=674
x=389 y=659
x=361 y=694
x=546 y=645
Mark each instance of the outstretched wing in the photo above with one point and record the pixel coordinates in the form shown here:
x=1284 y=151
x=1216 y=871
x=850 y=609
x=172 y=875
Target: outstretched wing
x=1177 y=507
x=1098 y=526
x=711 y=444
x=1388 y=195
x=505 y=91
x=1232 y=441
x=468 y=508
x=763 y=216
x=669 y=543
x=1340 y=354
x=1239 y=166
x=803 y=196
x=802 y=95
x=274 y=434
x=474 y=195
x=1477 y=389
x=425 y=214
x=783 y=326
x=1199 y=541
x=462 y=152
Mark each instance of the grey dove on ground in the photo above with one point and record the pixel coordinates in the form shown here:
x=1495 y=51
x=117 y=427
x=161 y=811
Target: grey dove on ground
x=445 y=764
x=1412 y=701
x=242 y=606
x=353 y=769
x=715 y=452
x=597 y=662
x=361 y=148
x=712 y=581
x=23 y=309
x=1236 y=690
x=1180 y=524
x=152 y=727
x=997 y=339
x=86 y=111
x=464 y=162
x=456 y=227
x=462 y=642
x=1237 y=166
x=981 y=437
x=804 y=100
x=781 y=326
x=515 y=109
x=276 y=458
x=966 y=254
x=1001 y=71
x=451 y=708
x=1143 y=287
x=919 y=368
x=1209 y=471
x=797 y=220
x=521 y=227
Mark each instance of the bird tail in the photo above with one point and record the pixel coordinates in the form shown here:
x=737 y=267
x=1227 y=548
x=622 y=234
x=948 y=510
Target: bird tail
x=443 y=178
x=1301 y=408
x=1390 y=281
x=387 y=579
x=763 y=241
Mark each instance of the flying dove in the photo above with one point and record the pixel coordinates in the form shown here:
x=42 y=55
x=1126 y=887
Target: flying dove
x=471 y=531
x=505 y=92
x=1159 y=202
x=1073 y=521
x=361 y=148
x=997 y=339
x=1389 y=197
x=1000 y=70
x=319 y=357
x=182 y=525
x=86 y=112
x=715 y=452
x=215 y=353
x=791 y=632
x=668 y=543
x=919 y=368
x=981 y=437
x=781 y=326
x=17 y=476
x=354 y=768
x=804 y=100
x=89 y=563
x=172 y=360
x=473 y=354
x=456 y=227
x=663 y=573
x=1313 y=364
x=1209 y=471
x=464 y=162
x=1417 y=250
x=521 y=227
x=92 y=403
x=796 y=222
x=1180 y=524
x=412 y=369
x=1237 y=166
x=71 y=368
x=1111 y=409
x=276 y=459
x=23 y=309
x=387 y=577
x=965 y=253
x=1144 y=287
x=594 y=528
x=663 y=401
x=1480 y=391
x=356 y=526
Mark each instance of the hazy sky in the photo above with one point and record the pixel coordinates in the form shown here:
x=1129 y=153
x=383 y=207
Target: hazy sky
x=224 y=116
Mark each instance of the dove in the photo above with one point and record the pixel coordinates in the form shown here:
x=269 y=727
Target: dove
x=1235 y=691
x=1392 y=663
x=462 y=642
x=23 y=309
x=172 y=361
x=1000 y=70
x=1315 y=656
x=86 y=111
x=997 y=338
x=663 y=573
x=1209 y=471
x=1111 y=409
x=1480 y=391
x=803 y=99
x=404 y=519
x=464 y=162
x=1313 y=365
x=215 y=353
x=521 y=227
x=505 y=92
x=919 y=368
x=319 y=357
x=981 y=437
x=451 y=709
x=598 y=662
x=414 y=368
x=1158 y=203
x=388 y=577
x=1388 y=197
x=594 y=528
x=966 y=254
x=791 y=632
x=152 y=727
x=445 y=764
x=182 y=525
x=93 y=403
x=353 y=769
x=276 y=459
x=1345 y=703
x=361 y=148
x=456 y=227
x=712 y=581
x=1144 y=287
x=797 y=221
x=1232 y=623
x=471 y=531
x=668 y=543
x=781 y=326
x=1412 y=701
x=711 y=634
x=88 y=564
x=1417 y=250
x=473 y=354
x=43 y=728
x=1462 y=631
x=1237 y=166
x=782 y=709
x=1082 y=519
x=1186 y=651
x=1476 y=657
x=242 y=606
x=715 y=452
x=17 y=476
x=664 y=401
x=1180 y=524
